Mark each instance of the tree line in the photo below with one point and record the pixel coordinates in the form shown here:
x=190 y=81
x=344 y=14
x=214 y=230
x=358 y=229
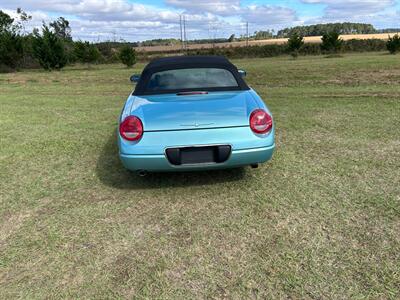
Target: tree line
x=321 y=29
x=332 y=45
x=310 y=30
x=51 y=46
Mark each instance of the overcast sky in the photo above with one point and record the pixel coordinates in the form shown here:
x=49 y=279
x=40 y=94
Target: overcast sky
x=135 y=20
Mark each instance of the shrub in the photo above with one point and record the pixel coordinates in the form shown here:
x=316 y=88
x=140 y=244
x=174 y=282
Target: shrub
x=331 y=43
x=11 y=49
x=107 y=52
x=29 y=61
x=94 y=54
x=355 y=45
x=85 y=52
x=127 y=56
x=272 y=50
x=11 y=43
x=294 y=44
x=240 y=52
x=49 y=49
x=393 y=44
x=310 y=49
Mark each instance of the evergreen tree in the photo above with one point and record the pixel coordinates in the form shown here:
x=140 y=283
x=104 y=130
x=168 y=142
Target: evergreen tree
x=11 y=42
x=393 y=44
x=127 y=56
x=331 y=42
x=11 y=49
x=295 y=43
x=5 y=22
x=86 y=53
x=49 y=49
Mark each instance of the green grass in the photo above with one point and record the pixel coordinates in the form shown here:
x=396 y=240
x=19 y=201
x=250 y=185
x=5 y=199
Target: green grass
x=321 y=220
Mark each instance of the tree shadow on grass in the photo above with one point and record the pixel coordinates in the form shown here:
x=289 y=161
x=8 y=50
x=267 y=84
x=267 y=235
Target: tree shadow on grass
x=111 y=172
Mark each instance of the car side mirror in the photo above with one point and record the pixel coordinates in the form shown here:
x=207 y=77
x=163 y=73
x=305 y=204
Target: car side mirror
x=242 y=73
x=135 y=78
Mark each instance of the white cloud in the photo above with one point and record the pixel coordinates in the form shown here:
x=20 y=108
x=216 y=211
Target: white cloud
x=108 y=18
x=381 y=13
x=218 y=7
x=103 y=19
x=352 y=8
x=269 y=15
x=93 y=19
x=257 y=14
x=97 y=9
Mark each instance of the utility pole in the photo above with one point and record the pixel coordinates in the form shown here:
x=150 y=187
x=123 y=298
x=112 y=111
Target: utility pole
x=247 y=34
x=213 y=34
x=180 y=25
x=184 y=31
x=114 y=33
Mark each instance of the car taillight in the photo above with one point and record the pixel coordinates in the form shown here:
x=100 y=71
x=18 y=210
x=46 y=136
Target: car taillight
x=131 y=128
x=260 y=121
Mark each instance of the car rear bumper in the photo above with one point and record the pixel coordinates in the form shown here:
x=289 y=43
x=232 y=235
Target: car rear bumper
x=159 y=162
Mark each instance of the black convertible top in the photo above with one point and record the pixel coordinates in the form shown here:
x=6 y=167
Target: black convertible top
x=186 y=62
x=177 y=61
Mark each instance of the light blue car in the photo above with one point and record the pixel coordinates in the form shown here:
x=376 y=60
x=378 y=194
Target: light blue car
x=192 y=113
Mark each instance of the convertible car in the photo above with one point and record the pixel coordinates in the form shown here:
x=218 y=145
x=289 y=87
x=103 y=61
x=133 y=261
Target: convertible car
x=193 y=113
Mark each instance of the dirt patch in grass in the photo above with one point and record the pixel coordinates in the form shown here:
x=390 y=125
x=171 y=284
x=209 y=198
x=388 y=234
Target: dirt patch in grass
x=378 y=77
x=12 y=222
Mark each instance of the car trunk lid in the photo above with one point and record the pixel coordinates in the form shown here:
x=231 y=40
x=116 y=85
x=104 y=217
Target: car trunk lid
x=193 y=110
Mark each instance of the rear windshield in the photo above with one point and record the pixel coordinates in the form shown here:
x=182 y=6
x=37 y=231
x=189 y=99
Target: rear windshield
x=192 y=79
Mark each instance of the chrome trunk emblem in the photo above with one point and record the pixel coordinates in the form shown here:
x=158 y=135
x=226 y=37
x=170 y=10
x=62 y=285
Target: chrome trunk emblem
x=197 y=125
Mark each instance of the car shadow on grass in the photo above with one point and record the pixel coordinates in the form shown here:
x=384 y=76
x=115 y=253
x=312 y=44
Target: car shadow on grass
x=111 y=172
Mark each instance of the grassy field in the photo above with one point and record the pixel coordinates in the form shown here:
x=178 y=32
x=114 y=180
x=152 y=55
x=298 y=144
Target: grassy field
x=321 y=220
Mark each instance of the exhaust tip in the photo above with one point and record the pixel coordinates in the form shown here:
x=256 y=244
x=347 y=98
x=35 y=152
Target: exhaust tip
x=254 y=166
x=141 y=173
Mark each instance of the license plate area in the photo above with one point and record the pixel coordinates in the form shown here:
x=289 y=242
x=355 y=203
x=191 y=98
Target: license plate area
x=198 y=155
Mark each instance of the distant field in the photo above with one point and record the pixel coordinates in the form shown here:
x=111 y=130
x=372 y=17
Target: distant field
x=319 y=221
x=311 y=39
